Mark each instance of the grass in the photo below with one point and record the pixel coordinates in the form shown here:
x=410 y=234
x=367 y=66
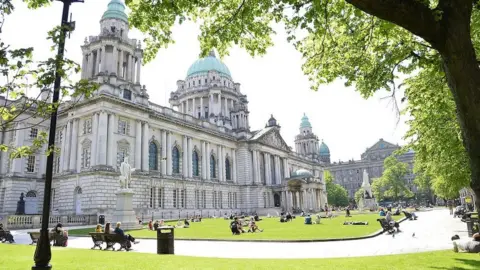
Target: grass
x=16 y=257
x=273 y=229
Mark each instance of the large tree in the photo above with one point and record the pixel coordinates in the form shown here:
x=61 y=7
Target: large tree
x=392 y=182
x=365 y=42
x=336 y=194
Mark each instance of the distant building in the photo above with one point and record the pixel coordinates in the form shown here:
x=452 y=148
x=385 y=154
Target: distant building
x=349 y=173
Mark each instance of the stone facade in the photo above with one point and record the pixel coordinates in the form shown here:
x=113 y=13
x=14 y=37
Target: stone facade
x=198 y=156
x=349 y=174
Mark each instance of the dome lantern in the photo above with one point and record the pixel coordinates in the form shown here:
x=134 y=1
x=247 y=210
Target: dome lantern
x=116 y=10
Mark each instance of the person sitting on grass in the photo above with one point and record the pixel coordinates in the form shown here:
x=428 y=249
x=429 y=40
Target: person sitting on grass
x=127 y=237
x=471 y=246
x=391 y=221
x=382 y=212
x=288 y=217
x=235 y=227
x=308 y=220
x=186 y=224
x=99 y=228
x=317 y=221
x=252 y=227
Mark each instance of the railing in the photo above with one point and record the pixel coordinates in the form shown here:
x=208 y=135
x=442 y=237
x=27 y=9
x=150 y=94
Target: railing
x=35 y=221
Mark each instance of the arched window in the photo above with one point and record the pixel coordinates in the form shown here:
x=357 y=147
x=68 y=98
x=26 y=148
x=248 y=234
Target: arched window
x=213 y=166
x=175 y=160
x=196 y=171
x=227 y=169
x=153 y=156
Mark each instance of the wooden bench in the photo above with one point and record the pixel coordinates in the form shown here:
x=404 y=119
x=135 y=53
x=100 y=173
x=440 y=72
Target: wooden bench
x=58 y=239
x=6 y=236
x=386 y=226
x=110 y=239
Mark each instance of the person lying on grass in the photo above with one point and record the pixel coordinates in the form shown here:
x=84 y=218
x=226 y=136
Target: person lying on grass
x=471 y=246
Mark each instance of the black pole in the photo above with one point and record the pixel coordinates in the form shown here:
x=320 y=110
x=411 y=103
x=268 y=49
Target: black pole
x=43 y=253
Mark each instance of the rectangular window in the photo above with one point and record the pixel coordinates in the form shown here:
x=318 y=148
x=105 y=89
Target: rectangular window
x=152 y=197
x=122 y=126
x=197 y=199
x=33 y=133
x=235 y=200
x=127 y=94
x=214 y=199
x=160 y=197
x=183 y=198
x=220 y=200
x=31 y=164
x=204 y=199
x=175 y=191
x=122 y=152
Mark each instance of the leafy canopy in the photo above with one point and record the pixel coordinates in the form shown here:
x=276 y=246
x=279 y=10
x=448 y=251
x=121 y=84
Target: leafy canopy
x=20 y=72
x=392 y=184
x=336 y=194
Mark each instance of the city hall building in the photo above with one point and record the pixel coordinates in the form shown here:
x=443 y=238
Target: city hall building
x=197 y=156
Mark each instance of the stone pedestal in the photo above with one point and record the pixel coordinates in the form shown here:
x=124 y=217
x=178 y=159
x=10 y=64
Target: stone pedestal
x=124 y=211
x=368 y=204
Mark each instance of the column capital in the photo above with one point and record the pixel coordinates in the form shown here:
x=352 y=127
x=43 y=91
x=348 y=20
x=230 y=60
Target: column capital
x=144 y=122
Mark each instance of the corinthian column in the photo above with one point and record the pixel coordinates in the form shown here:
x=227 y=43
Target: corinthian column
x=102 y=138
x=93 y=159
x=169 y=153
x=138 y=145
x=110 y=140
x=234 y=166
x=185 y=155
x=66 y=158
x=255 y=167
x=145 y=153
x=74 y=146
x=139 y=65
x=207 y=159
x=164 y=153
x=104 y=58
x=204 y=160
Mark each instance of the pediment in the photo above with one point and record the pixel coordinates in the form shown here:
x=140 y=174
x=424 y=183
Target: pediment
x=381 y=144
x=272 y=138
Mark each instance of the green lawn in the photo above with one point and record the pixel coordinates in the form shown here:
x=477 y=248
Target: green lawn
x=273 y=229
x=15 y=257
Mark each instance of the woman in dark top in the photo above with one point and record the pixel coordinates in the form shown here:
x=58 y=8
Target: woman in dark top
x=126 y=236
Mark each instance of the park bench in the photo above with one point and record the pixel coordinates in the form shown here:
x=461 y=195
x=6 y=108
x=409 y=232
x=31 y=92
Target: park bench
x=387 y=227
x=58 y=239
x=110 y=239
x=6 y=236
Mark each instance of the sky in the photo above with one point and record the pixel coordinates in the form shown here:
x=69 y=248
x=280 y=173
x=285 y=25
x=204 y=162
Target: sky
x=274 y=84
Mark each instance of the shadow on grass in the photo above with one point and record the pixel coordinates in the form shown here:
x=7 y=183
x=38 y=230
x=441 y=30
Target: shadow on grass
x=475 y=264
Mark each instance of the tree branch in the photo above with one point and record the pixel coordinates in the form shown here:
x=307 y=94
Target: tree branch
x=409 y=14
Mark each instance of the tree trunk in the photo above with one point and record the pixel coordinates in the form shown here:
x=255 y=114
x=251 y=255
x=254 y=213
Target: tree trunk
x=463 y=76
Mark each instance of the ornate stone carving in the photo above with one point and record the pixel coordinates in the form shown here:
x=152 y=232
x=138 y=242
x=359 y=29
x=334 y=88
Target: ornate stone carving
x=273 y=139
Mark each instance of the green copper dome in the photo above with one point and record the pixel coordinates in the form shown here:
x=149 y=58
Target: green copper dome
x=324 y=151
x=204 y=65
x=116 y=10
x=305 y=123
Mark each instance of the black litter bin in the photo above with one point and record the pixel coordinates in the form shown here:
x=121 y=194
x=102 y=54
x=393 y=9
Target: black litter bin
x=165 y=237
x=472 y=226
x=101 y=219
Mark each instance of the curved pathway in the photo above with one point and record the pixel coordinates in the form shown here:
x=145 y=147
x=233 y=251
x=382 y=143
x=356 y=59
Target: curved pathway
x=433 y=231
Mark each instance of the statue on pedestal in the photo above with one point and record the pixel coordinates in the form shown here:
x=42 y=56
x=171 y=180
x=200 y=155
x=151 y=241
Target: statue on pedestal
x=366 y=186
x=125 y=173
x=20 y=206
x=368 y=200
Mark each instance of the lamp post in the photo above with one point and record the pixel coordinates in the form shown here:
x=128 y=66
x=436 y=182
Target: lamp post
x=43 y=253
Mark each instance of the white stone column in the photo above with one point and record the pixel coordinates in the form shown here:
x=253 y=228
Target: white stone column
x=104 y=58
x=93 y=158
x=138 y=145
x=62 y=149
x=287 y=171
x=193 y=108
x=84 y=65
x=74 y=146
x=66 y=158
x=169 y=153
x=19 y=139
x=226 y=107
x=219 y=163
x=114 y=64
x=110 y=141
x=210 y=103
x=185 y=156
x=121 y=64
x=145 y=165
x=164 y=153
x=129 y=67
x=102 y=138
x=265 y=166
x=204 y=160
x=190 y=157
x=207 y=146
x=255 y=167
x=234 y=166
x=132 y=70
x=139 y=66
x=219 y=104
x=202 y=110
x=97 y=62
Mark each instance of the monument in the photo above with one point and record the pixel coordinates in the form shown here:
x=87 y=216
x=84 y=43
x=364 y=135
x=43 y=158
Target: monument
x=124 y=210
x=20 y=206
x=367 y=201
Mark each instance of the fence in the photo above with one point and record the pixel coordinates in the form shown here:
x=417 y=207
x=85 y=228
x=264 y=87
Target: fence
x=35 y=221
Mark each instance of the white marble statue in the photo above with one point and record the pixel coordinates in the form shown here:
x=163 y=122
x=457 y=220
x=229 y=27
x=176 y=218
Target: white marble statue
x=125 y=173
x=366 y=185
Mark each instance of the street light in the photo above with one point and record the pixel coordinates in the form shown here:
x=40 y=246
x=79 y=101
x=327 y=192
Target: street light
x=43 y=253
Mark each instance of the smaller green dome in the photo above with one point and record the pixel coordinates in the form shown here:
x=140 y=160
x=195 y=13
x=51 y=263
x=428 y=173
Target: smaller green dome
x=324 y=151
x=116 y=10
x=305 y=123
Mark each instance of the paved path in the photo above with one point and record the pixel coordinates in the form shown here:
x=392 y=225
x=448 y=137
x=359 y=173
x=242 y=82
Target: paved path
x=433 y=231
